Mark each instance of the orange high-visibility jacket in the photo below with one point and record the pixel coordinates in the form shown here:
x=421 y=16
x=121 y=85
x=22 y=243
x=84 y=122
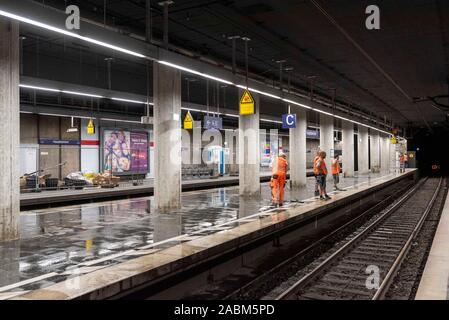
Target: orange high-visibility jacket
x=320 y=167
x=335 y=167
x=315 y=160
x=280 y=166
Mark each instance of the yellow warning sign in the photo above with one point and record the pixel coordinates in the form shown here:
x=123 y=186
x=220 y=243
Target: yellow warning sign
x=91 y=127
x=89 y=244
x=247 y=104
x=188 y=121
x=394 y=140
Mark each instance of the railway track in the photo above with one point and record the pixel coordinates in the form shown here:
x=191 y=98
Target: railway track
x=365 y=266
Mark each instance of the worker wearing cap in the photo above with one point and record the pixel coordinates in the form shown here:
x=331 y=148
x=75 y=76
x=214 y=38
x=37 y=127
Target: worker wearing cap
x=278 y=179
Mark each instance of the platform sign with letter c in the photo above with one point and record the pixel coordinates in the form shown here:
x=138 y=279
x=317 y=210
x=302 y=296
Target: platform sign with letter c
x=288 y=121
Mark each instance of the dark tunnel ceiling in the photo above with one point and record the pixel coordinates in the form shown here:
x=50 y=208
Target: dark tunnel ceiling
x=412 y=46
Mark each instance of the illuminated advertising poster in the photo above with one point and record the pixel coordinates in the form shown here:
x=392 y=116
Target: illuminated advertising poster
x=139 y=151
x=125 y=151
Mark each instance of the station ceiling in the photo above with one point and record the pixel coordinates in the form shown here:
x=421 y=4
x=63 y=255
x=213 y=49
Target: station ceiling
x=398 y=72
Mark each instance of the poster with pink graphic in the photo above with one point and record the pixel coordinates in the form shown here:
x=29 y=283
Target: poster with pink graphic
x=125 y=151
x=139 y=151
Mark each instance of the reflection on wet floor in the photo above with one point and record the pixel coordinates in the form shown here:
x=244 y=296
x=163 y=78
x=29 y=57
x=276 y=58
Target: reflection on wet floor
x=90 y=236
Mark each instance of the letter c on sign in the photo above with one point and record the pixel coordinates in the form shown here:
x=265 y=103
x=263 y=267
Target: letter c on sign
x=290 y=119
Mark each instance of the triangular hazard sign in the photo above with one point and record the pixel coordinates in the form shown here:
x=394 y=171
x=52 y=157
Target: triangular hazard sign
x=188 y=117
x=246 y=98
x=188 y=121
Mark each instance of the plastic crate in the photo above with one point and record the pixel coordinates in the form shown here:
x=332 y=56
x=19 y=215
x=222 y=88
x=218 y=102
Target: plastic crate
x=51 y=183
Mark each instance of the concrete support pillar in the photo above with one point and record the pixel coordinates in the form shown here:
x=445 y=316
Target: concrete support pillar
x=384 y=154
x=249 y=152
x=167 y=134
x=327 y=138
x=375 y=152
x=297 y=157
x=197 y=152
x=363 y=150
x=348 y=148
x=394 y=156
x=9 y=130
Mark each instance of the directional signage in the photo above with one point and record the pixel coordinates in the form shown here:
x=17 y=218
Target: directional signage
x=213 y=123
x=59 y=142
x=288 y=121
x=312 y=134
x=188 y=121
x=247 y=104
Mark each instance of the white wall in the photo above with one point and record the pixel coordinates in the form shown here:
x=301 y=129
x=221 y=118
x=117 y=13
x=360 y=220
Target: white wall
x=90 y=154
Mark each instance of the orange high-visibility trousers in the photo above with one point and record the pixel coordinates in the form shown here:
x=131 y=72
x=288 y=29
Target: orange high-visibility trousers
x=277 y=186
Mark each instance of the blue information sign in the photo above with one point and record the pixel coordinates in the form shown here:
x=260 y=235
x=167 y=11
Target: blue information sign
x=59 y=142
x=288 y=121
x=213 y=123
x=312 y=134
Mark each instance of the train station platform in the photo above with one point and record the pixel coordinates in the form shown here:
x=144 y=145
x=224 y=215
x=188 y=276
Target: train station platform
x=434 y=283
x=97 y=250
x=70 y=196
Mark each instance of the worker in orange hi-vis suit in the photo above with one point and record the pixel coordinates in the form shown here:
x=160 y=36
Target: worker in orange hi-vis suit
x=401 y=163
x=278 y=179
x=335 y=170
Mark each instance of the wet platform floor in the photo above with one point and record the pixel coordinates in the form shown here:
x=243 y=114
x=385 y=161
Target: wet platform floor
x=58 y=243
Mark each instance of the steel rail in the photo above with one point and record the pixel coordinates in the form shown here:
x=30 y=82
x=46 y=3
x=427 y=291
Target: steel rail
x=309 y=248
x=385 y=285
x=297 y=286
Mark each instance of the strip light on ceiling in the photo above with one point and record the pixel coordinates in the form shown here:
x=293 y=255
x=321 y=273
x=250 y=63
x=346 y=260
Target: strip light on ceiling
x=132 y=101
x=259 y=92
x=82 y=94
x=205 y=75
x=39 y=88
x=136 y=54
x=70 y=34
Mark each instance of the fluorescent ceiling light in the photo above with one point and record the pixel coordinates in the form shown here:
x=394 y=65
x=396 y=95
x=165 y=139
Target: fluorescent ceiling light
x=194 y=110
x=205 y=75
x=260 y=92
x=82 y=94
x=132 y=101
x=232 y=115
x=38 y=88
x=55 y=115
x=68 y=33
x=273 y=121
x=119 y=120
x=297 y=103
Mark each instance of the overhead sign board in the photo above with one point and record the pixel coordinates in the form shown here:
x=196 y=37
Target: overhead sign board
x=247 y=104
x=213 y=123
x=288 y=121
x=312 y=134
x=188 y=121
x=59 y=142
